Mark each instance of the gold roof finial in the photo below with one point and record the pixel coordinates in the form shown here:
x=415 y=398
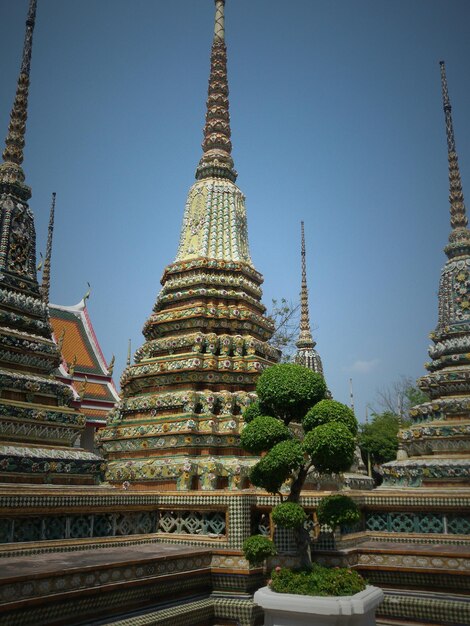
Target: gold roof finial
x=111 y=365
x=72 y=365
x=82 y=388
x=87 y=295
x=60 y=341
x=11 y=171
x=46 y=272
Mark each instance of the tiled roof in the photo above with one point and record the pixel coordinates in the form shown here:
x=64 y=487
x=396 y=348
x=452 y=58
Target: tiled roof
x=99 y=391
x=94 y=415
x=80 y=341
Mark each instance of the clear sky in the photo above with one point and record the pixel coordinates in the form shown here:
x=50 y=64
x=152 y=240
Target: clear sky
x=336 y=119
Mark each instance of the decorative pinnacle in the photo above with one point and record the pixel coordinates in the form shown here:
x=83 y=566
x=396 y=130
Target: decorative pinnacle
x=219 y=29
x=216 y=160
x=459 y=239
x=129 y=351
x=15 y=140
x=46 y=272
x=305 y=335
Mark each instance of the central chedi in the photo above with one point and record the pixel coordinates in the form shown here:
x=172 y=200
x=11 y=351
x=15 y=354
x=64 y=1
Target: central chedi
x=177 y=425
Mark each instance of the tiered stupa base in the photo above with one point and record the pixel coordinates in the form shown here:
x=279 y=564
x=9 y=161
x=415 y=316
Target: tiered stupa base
x=178 y=423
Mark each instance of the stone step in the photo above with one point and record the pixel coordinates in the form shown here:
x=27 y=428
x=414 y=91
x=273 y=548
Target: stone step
x=62 y=588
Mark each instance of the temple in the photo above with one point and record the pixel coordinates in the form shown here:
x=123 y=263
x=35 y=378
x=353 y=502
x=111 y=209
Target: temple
x=84 y=367
x=38 y=424
x=179 y=419
x=162 y=541
x=435 y=450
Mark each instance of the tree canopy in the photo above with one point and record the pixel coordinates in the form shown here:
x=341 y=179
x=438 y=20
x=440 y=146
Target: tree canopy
x=291 y=393
x=379 y=439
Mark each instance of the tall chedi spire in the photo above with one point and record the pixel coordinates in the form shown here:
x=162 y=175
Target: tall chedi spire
x=306 y=354
x=435 y=450
x=38 y=426
x=46 y=270
x=179 y=419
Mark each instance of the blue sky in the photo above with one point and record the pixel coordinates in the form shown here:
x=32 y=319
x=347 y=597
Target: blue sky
x=336 y=119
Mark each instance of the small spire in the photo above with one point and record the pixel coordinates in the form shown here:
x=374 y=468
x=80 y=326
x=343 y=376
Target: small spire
x=460 y=235
x=15 y=140
x=219 y=27
x=128 y=362
x=46 y=272
x=216 y=160
x=305 y=336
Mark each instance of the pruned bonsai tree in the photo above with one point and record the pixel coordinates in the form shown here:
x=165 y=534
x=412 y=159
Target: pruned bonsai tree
x=289 y=393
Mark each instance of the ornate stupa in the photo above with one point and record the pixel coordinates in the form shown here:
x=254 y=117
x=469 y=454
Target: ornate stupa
x=178 y=422
x=435 y=450
x=306 y=354
x=38 y=424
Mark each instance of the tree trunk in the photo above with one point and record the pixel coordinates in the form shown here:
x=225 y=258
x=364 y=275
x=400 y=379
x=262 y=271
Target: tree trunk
x=304 y=547
x=302 y=536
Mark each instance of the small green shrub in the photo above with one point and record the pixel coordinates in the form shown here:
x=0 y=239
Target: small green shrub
x=289 y=515
x=257 y=548
x=337 y=510
x=331 y=447
x=318 y=581
x=278 y=464
x=327 y=411
x=288 y=390
x=252 y=410
x=263 y=433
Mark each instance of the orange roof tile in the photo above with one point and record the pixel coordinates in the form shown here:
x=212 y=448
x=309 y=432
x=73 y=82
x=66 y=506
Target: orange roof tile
x=73 y=344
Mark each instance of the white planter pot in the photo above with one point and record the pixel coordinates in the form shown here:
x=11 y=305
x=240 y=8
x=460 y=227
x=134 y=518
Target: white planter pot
x=288 y=609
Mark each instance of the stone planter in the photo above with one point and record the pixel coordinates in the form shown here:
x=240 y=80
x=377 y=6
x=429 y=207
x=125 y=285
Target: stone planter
x=287 y=609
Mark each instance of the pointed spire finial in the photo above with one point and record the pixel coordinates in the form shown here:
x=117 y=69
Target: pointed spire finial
x=129 y=349
x=15 y=140
x=87 y=295
x=216 y=160
x=305 y=336
x=46 y=272
x=219 y=28
x=459 y=239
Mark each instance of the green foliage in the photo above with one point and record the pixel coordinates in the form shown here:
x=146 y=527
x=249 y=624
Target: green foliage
x=289 y=515
x=338 y=510
x=277 y=466
x=331 y=447
x=257 y=548
x=288 y=391
x=252 y=410
x=327 y=411
x=380 y=437
x=263 y=433
x=317 y=581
